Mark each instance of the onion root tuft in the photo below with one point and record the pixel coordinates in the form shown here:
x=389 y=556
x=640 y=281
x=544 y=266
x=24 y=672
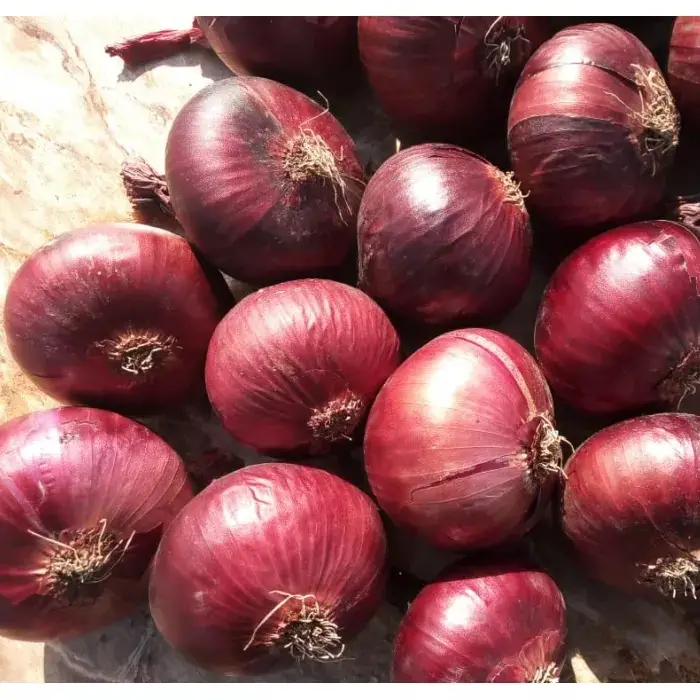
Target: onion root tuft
x=548 y=674
x=139 y=352
x=338 y=419
x=673 y=576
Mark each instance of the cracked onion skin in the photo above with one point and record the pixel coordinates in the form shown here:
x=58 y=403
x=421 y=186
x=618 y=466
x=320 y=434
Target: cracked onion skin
x=684 y=68
x=444 y=237
x=631 y=506
x=496 y=622
x=460 y=446
x=619 y=323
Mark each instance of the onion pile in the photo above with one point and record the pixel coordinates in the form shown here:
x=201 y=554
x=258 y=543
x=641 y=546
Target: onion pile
x=592 y=127
x=631 y=505
x=485 y=623
x=443 y=236
x=84 y=497
x=460 y=446
x=117 y=316
x=684 y=67
x=619 y=323
x=274 y=563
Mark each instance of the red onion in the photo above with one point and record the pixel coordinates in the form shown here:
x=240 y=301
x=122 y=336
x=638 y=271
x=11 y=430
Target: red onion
x=484 y=623
x=294 y=367
x=592 y=127
x=460 y=446
x=619 y=323
x=272 y=563
x=442 y=76
x=631 y=505
x=84 y=496
x=115 y=315
x=444 y=236
x=684 y=67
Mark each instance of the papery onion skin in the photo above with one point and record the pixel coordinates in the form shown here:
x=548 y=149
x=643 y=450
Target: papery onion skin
x=441 y=76
x=117 y=316
x=264 y=181
x=266 y=528
x=684 y=68
x=444 y=237
x=619 y=323
x=290 y=356
x=631 y=505
x=590 y=137
x=460 y=446
x=483 y=623
x=75 y=469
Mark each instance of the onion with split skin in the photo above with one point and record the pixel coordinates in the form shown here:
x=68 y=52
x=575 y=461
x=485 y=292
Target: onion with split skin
x=84 y=497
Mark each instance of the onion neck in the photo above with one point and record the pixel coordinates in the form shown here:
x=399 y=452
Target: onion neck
x=673 y=576
x=682 y=380
x=145 y=187
x=338 y=419
x=139 y=353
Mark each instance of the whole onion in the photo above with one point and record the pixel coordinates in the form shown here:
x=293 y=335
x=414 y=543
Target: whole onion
x=631 y=505
x=265 y=183
x=274 y=563
x=444 y=236
x=592 y=127
x=116 y=315
x=460 y=446
x=443 y=76
x=483 y=623
x=619 y=323
x=684 y=67
x=84 y=497
x=294 y=367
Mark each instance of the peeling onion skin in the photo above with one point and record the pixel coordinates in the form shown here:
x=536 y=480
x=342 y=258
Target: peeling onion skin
x=287 y=352
x=441 y=239
x=574 y=136
x=269 y=527
x=117 y=316
x=229 y=187
x=684 y=68
x=67 y=469
x=483 y=623
x=449 y=441
x=621 y=317
x=632 y=497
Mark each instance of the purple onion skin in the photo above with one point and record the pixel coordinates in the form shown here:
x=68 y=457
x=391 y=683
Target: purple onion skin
x=620 y=319
x=265 y=528
x=292 y=349
x=574 y=135
x=298 y=51
x=232 y=192
x=72 y=301
x=684 y=68
x=441 y=240
x=483 y=623
x=632 y=497
x=69 y=469
x=450 y=441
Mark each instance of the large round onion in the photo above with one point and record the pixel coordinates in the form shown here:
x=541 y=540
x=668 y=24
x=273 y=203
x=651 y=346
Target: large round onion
x=272 y=563
x=684 y=67
x=442 y=76
x=592 y=127
x=619 y=324
x=264 y=181
x=631 y=505
x=444 y=236
x=483 y=623
x=460 y=445
x=118 y=316
x=294 y=367
x=84 y=497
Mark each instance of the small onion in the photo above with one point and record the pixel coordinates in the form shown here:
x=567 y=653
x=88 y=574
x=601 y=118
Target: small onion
x=485 y=623
x=444 y=236
x=294 y=367
x=443 y=76
x=117 y=316
x=592 y=127
x=619 y=323
x=84 y=496
x=684 y=67
x=460 y=446
x=631 y=505
x=274 y=563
